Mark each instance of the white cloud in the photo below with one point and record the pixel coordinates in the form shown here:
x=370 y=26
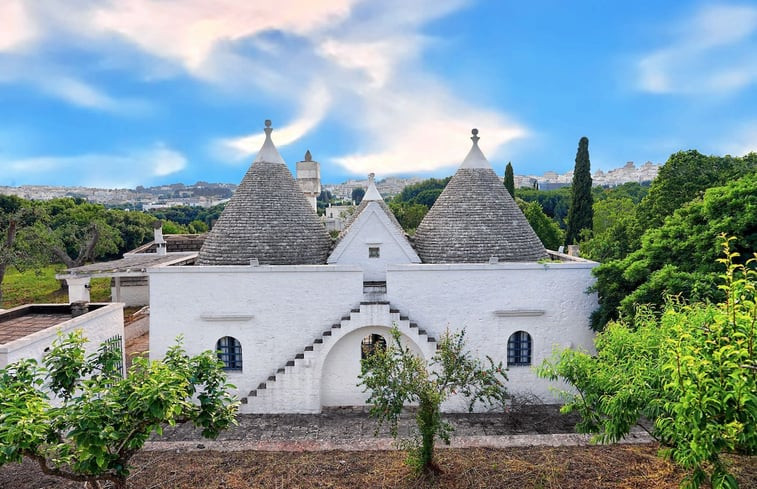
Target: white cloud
x=314 y=107
x=188 y=30
x=17 y=27
x=353 y=61
x=100 y=170
x=714 y=51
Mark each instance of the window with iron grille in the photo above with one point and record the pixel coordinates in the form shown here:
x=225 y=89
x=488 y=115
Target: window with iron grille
x=373 y=252
x=519 y=349
x=230 y=353
x=371 y=344
x=116 y=344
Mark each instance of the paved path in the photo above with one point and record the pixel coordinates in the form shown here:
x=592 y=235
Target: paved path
x=355 y=431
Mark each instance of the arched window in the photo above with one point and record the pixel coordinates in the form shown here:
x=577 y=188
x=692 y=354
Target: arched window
x=519 y=349
x=371 y=344
x=230 y=353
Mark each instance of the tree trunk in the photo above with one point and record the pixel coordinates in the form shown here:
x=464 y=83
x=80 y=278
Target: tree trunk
x=10 y=237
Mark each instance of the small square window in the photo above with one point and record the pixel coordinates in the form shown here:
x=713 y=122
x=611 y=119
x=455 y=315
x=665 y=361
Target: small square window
x=373 y=252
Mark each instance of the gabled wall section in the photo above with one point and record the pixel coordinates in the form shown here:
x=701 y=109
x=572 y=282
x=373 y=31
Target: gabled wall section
x=373 y=228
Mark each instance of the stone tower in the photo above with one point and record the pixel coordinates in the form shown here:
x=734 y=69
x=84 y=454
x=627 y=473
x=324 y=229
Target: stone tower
x=309 y=178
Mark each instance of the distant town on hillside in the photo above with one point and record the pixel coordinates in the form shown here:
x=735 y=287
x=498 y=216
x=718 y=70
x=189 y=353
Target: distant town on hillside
x=205 y=194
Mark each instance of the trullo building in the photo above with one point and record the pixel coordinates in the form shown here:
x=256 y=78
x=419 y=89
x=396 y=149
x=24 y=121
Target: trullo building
x=291 y=313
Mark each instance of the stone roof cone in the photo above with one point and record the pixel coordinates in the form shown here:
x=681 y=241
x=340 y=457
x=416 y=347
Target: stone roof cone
x=268 y=219
x=475 y=218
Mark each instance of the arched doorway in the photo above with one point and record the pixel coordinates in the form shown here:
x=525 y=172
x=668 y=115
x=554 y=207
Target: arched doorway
x=339 y=375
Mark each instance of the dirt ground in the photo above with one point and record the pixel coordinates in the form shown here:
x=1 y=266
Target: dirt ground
x=618 y=466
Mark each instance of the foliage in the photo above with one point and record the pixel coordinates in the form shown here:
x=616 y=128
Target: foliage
x=17 y=216
x=357 y=195
x=510 y=179
x=545 y=228
x=580 y=212
x=186 y=215
x=397 y=377
x=684 y=177
x=616 y=231
x=692 y=372
x=554 y=203
x=408 y=215
x=411 y=193
x=680 y=256
x=97 y=419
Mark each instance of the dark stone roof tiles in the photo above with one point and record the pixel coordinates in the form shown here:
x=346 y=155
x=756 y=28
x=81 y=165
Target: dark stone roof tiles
x=474 y=219
x=270 y=219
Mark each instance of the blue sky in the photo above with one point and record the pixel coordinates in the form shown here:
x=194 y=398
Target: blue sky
x=143 y=92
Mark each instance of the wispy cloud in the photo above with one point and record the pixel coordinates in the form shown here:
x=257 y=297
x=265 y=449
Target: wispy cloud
x=315 y=105
x=357 y=62
x=713 y=51
x=99 y=170
x=17 y=26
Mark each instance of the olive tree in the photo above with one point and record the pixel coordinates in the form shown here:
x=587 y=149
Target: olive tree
x=396 y=377
x=691 y=371
x=78 y=418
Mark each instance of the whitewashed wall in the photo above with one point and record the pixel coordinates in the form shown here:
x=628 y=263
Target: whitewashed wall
x=98 y=325
x=492 y=301
x=274 y=311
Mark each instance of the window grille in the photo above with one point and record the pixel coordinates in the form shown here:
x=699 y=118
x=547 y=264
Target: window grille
x=371 y=344
x=116 y=344
x=373 y=252
x=519 y=349
x=230 y=353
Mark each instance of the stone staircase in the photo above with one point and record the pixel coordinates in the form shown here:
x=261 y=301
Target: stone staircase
x=295 y=386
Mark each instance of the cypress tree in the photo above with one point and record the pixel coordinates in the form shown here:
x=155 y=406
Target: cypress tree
x=510 y=179
x=580 y=214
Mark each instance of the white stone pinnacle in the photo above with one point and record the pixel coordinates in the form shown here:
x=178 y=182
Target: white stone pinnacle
x=372 y=193
x=268 y=153
x=475 y=158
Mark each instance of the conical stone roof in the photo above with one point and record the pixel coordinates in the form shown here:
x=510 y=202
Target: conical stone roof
x=475 y=218
x=268 y=218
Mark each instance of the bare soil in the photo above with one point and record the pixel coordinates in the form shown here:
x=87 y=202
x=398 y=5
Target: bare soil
x=617 y=466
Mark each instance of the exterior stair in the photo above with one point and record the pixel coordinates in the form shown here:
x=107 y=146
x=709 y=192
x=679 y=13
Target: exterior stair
x=295 y=386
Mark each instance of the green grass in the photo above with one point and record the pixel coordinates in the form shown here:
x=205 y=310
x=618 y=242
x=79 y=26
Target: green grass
x=41 y=286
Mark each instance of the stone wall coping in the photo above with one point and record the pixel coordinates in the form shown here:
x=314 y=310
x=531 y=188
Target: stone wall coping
x=428 y=267
x=64 y=326
x=257 y=269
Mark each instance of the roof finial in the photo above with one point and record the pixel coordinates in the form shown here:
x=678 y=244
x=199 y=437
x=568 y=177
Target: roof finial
x=268 y=129
x=371 y=176
x=475 y=137
x=308 y=156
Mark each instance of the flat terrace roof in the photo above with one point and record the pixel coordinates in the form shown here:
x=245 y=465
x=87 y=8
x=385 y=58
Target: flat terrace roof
x=25 y=320
x=129 y=265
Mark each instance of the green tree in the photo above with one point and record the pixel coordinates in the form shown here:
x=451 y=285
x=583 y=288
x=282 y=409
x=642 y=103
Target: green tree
x=545 y=228
x=685 y=176
x=357 y=195
x=692 y=372
x=408 y=215
x=397 y=377
x=510 y=179
x=555 y=203
x=580 y=212
x=99 y=419
x=410 y=192
x=74 y=231
x=17 y=217
x=680 y=256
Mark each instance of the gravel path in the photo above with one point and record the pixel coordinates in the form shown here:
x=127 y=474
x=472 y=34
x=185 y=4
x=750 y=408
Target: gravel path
x=543 y=426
